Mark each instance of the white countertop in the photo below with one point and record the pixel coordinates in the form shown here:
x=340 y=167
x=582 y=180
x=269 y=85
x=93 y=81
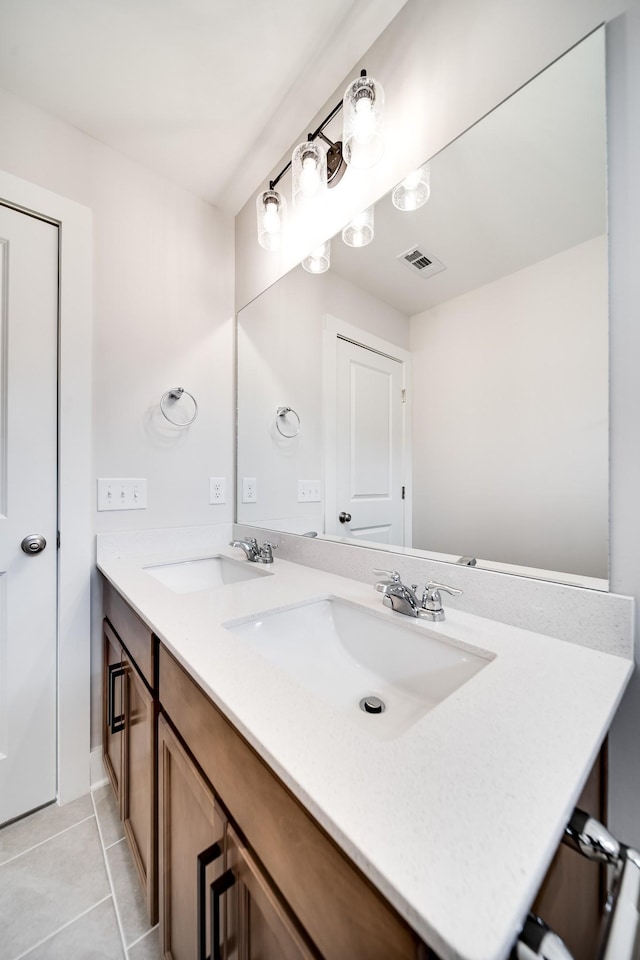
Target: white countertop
x=456 y=820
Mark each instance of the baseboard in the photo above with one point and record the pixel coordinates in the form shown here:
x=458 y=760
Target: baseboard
x=98 y=775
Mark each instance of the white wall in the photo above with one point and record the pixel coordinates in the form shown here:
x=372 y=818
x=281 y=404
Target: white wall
x=512 y=402
x=280 y=345
x=163 y=317
x=443 y=65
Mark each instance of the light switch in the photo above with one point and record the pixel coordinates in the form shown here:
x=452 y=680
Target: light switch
x=309 y=491
x=118 y=493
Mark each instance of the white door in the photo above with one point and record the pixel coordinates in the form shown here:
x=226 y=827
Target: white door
x=369 y=445
x=28 y=505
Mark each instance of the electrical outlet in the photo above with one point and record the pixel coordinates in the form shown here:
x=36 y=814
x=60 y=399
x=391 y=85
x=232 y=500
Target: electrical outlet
x=309 y=491
x=118 y=493
x=249 y=490
x=217 y=490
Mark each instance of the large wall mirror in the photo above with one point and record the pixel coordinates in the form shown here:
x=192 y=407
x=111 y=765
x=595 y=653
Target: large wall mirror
x=444 y=389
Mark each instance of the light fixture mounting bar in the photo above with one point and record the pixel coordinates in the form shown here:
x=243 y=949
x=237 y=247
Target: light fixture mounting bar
x=319 y=132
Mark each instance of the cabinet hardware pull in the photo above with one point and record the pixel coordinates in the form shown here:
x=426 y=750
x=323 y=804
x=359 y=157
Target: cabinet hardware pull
x=218 y=888
x=205 y=858
x=115 y=723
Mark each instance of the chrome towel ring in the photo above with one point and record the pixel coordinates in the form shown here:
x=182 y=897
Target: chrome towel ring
x=282 y=422
x=176 y=393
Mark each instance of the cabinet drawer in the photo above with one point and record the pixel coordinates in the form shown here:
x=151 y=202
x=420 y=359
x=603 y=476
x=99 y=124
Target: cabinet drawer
x=337 y=906
x=132 y=631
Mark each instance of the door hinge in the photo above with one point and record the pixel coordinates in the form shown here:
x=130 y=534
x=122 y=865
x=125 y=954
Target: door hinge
x=404 y=396
x=403 y=493
x=58 y=540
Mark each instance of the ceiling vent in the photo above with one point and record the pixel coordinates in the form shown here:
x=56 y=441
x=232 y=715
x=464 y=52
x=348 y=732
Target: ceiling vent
x=420 y=262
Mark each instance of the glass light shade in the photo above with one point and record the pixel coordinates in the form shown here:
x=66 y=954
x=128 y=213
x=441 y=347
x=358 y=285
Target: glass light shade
x=414 y=190
x=319 y=260
x=359 y=232
x=271 y=210
x=363 y=104
x=308 y=172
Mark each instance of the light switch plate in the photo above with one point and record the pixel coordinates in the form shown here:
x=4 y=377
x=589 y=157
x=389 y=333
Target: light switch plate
x=122 y=493
x=309 y=491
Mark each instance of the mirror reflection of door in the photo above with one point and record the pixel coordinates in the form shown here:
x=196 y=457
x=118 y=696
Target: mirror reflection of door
x=369 y=445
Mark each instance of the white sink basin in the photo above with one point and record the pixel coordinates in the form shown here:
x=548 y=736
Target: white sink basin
x=342 y=653
x=207 y=573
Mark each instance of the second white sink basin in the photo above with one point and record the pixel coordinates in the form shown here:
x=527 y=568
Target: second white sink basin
x=206 y=573
x=342 y=653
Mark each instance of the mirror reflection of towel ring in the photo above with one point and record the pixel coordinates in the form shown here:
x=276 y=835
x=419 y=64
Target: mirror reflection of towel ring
x=281 y=420
x=175 y=394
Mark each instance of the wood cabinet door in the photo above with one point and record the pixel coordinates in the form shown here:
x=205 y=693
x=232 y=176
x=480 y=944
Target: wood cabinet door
x=249 y=919
x=190 y=850
x=113 y=709
x=138 y=780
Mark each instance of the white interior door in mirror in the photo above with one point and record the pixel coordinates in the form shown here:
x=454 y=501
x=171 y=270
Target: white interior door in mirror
x=28 y=388
x=369 y=446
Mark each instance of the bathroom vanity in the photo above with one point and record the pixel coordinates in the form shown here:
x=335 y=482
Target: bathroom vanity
x=286 y=819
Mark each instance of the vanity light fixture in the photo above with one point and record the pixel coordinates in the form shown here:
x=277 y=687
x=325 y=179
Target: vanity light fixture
x=308 y=173
x=271 y=210
x=319 y=260
x=414 y=190
x=318 y=162
x=362 y=138
x=359 y=232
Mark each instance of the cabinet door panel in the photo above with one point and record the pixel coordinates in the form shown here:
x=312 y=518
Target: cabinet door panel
x=258 y=925
x=138 y=778
x=113 y=706
x=189 y=823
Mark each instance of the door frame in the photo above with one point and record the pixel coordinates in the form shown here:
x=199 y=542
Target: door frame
x=75 y=555
x=333 y=330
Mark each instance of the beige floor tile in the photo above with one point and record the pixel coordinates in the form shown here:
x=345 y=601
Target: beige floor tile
x=40 y=826
x=94 y=936
x=128 y=893
x=108 y=815
x=47 y=887
x=148 y=948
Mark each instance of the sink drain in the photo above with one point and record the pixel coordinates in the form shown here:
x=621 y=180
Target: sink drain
x=372 y=705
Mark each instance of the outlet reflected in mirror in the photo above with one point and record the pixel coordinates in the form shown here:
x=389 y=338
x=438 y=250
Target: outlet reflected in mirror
x=451 y=376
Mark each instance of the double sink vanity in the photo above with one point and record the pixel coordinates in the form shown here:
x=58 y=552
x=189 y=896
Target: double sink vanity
x=295 y=816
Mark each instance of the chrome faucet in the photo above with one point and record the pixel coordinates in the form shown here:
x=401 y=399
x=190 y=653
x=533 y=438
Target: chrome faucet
x=253 y=552
x=403 y=599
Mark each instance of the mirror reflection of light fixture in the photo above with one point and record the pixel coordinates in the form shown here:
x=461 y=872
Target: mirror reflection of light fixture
x=308 y=172
x=414 y=190
x=315 y=165
x=319 y=260
x=271 y=210
x=359 y=232
x=361 y=136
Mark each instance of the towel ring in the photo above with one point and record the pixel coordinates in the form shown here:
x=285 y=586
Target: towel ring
x=175 y=394
x=281 y=414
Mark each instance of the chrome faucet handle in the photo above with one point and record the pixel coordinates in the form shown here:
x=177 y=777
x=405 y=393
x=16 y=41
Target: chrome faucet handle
x=431 y=608
x=266 y=551
x=392 y=576
x=432 y=591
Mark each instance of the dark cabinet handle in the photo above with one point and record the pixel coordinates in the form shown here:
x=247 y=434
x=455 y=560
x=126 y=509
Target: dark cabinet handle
x=204 y=859
x=115 y=723
x=218 y=888
x=344 y=517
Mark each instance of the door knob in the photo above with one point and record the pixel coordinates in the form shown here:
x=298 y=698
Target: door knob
x=344 y=517
x=33 y=543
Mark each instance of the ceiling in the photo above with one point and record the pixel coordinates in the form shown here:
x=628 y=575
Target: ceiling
x=208 y=93
x=525 y=183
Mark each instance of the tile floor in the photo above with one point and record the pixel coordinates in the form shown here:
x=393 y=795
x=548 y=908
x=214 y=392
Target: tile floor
x=69 y=888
